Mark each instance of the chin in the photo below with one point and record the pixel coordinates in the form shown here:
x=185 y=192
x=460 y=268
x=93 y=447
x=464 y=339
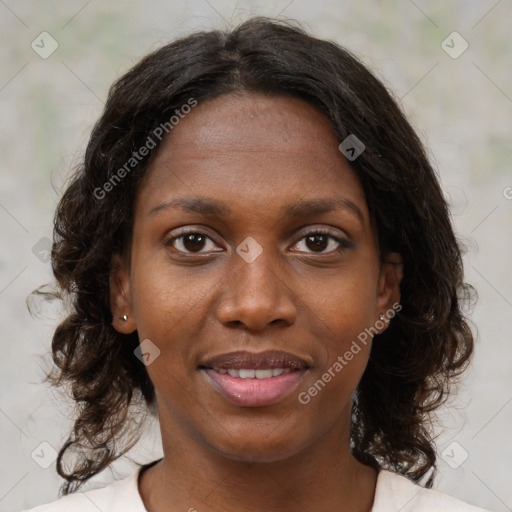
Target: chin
x=260 y=446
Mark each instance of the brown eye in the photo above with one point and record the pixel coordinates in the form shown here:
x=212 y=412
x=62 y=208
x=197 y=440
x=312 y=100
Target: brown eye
x=317 y=242
x=192 y=242
x=322 y=243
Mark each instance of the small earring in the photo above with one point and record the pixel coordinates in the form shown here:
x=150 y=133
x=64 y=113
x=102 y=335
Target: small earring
x=382 y=318
x=124 y=318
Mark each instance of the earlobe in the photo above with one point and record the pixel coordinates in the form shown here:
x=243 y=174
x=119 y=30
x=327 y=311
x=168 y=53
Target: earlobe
x=123 y=320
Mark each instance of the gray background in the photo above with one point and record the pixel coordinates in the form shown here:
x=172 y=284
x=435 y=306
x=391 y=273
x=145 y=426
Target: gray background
x=461 y=107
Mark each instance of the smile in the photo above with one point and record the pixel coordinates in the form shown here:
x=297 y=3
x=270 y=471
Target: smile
x=253 y=374
x=249 y=379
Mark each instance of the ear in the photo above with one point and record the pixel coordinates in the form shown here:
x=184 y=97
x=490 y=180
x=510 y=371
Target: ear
x=388 y=299
x=120 y=297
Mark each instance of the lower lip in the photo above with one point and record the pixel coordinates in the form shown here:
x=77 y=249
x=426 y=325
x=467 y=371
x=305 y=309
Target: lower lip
x=254 y=392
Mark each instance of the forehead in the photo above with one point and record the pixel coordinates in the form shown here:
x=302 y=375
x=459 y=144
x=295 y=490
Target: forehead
x=251 y=148
x=251 y=122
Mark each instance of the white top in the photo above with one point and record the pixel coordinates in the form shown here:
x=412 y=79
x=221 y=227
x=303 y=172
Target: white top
x=394 y=493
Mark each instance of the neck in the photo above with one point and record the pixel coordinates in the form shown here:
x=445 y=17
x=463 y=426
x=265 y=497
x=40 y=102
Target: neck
x=324 y=476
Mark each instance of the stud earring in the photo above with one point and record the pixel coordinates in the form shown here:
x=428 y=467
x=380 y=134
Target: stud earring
x=382 y=318
x=124 y=318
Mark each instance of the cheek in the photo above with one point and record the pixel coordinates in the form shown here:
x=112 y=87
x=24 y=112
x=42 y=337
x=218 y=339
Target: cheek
x=348 y=301
x=347 y=308
x=329 y=388
x=348 y=350
x=165 y=297
x=170 y=305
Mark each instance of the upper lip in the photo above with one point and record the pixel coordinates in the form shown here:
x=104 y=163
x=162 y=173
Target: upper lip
x=242 y=359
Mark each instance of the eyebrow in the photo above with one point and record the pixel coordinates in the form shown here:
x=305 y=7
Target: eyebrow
x=304 y=208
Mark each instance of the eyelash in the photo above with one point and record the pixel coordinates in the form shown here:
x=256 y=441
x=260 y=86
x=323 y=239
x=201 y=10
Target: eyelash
x=343 y=244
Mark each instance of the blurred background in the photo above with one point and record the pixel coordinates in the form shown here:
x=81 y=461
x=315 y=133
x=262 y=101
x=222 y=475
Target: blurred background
x=447 y=63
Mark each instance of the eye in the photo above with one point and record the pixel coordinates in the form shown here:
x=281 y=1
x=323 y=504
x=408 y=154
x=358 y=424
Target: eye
x=190 y=242
x=320 y=240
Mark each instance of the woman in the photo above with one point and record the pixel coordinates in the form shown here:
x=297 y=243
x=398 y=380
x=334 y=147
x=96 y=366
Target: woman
x=257 y=247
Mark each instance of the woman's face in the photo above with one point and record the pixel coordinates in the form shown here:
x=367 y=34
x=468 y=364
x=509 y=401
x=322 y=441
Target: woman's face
x=246 y=305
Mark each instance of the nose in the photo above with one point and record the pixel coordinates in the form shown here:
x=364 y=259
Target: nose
x=256 y=295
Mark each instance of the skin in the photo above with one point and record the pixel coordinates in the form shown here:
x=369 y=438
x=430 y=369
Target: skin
x=255 y=154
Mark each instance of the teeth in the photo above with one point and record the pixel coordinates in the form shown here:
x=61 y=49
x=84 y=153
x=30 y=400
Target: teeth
x=247 y=373
x=263 y=374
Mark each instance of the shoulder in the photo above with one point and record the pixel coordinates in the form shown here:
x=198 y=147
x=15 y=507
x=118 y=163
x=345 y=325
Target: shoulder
x=396 y=493
x=119 y=496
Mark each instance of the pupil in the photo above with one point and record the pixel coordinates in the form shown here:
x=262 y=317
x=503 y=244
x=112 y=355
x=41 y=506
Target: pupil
x=194 y=240
x=314 y=240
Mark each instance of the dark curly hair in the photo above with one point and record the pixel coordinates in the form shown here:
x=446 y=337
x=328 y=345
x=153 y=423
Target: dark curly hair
x=411 y=365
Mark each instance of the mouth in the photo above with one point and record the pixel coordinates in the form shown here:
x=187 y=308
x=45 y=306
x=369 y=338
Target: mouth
x=250 y=373
x=251 y=379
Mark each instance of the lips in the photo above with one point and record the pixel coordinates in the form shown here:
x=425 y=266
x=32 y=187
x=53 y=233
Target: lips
x=267 y=360
x=249 y=379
